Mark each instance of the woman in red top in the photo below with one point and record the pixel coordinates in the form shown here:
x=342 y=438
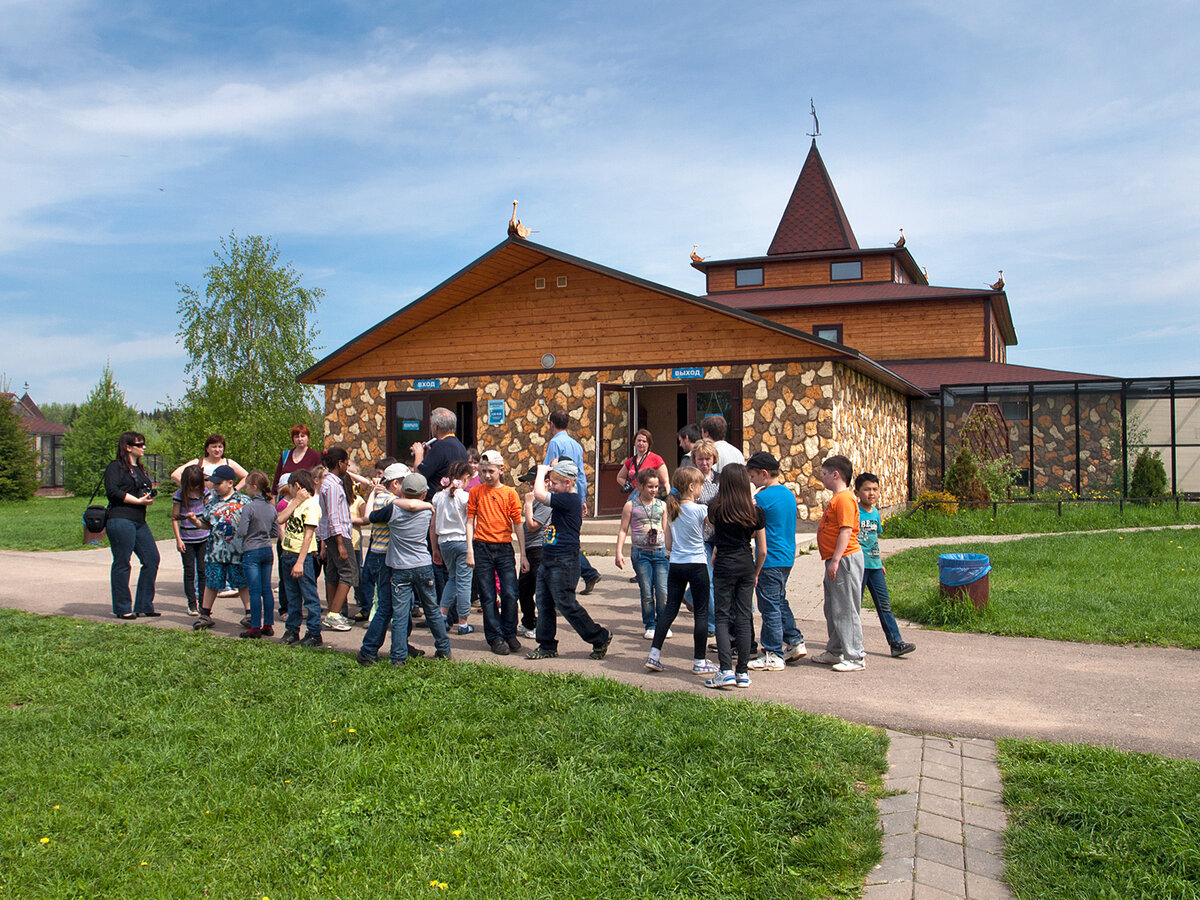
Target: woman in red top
x=643 y=458
x=301 y=456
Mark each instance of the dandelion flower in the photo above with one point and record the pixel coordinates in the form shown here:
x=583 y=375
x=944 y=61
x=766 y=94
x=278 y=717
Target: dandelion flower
x=56 y=806
x=352 y=731
x=143 y=864
x=457 y=832
x=442 y=885
x=44 y=841
x=433 y=883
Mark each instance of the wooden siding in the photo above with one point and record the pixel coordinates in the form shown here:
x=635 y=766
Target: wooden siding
x=998 y=349
x=594 y=322
x=799 y=272
x=915 y=329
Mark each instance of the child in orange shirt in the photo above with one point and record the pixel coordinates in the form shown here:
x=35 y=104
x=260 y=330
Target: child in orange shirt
x=837 y=541
x=493 y=517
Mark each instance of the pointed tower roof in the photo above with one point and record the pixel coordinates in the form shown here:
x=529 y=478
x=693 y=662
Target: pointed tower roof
x=813 y=219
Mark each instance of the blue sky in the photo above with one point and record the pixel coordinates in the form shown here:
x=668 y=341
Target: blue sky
x=381 y=144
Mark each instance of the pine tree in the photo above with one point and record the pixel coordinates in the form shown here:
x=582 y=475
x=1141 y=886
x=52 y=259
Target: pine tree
x=18 y=458
x=92 y=443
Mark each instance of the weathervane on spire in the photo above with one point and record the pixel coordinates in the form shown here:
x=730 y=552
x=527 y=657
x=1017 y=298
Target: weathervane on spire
x=816 y=132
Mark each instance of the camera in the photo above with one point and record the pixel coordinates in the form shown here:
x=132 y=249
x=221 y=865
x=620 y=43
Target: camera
x=152 y=493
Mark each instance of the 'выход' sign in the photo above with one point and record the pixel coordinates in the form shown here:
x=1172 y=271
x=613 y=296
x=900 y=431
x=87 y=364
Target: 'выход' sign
x=687 y=372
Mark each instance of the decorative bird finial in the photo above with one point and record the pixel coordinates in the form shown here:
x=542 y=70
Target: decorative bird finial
x=515 y=228
x=816 y=132
x=899 y=243
x=696 y=257
x=925 y=272
x=999 y=284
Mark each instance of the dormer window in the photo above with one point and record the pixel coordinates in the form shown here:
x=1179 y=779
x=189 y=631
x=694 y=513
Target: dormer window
x=846 y=271
x=749 y=277
x=829 y=332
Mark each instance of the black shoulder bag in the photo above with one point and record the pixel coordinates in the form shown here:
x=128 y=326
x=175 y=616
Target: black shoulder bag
x=95 y=517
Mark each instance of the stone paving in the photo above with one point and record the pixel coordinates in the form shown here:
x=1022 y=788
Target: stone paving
x=944 y=834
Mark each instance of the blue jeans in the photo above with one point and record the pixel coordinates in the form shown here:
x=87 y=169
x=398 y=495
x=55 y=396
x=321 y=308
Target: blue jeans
x=778 y=623
x=456 y=594
x=651 y=568
x=376 y=581
x=394 y=613
x=499 y=618
x=874 y=581
x=126 y=538
x=302 y=593
x=556 y=580
x=256 y=567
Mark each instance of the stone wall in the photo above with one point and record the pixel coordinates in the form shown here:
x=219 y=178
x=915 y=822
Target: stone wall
x=871 y=429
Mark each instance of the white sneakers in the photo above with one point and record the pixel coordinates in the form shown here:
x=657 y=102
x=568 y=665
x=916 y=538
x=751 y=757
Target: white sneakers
x=336 y=622
x=768 y=662
x=649 y=635
x=794 y=652
x=825 y=658
x=850 y=665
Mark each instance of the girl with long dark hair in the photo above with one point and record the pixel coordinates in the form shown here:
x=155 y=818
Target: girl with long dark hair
x=130 y=492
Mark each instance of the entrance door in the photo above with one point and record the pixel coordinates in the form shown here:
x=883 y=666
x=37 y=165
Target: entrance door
x=615 y=445
x=719 y=398
x=407 y=419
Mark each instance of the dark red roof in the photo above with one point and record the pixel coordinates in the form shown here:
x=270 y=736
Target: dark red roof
x=31 y=416
x=846 y=292
x=814 y=218
x=930 y=376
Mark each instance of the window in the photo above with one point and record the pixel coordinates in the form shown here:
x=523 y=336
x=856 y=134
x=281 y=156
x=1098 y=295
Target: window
x=846 y=271
x=1014 y=410
x=749 y=277
x=829 y=332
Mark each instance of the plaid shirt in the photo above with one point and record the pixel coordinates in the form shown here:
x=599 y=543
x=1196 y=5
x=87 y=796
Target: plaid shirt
x=335 y=511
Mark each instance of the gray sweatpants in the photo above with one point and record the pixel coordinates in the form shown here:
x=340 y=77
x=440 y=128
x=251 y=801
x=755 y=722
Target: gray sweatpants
x=843 y=603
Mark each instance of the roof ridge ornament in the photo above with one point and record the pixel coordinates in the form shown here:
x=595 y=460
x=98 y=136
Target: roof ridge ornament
x=816 y=132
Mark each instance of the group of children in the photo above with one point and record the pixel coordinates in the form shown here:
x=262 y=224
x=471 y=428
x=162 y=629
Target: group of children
x=715 y=555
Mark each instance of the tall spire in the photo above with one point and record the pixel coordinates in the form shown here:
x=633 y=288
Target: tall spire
x=813 y=218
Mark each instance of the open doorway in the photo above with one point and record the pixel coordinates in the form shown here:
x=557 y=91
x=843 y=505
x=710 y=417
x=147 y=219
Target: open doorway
x=408 y=419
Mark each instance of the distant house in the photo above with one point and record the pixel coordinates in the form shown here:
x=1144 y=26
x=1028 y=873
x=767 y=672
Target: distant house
x=47 y=439
x=818 y=347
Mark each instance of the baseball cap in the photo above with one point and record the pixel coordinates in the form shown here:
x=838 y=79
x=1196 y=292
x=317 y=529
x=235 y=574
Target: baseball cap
x=492 y=457
x=566 y=468
x=762 y=460
x=529 y=477
x=285 y=478
x=223 y=473
x=414 y=484
x=394 y=471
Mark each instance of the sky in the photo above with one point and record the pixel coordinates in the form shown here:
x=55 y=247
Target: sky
x=380 y=146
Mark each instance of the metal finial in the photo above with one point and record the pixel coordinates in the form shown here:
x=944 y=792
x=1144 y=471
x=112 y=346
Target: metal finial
x=816 y=132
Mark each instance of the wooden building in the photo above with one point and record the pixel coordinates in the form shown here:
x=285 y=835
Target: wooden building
x=786 y=346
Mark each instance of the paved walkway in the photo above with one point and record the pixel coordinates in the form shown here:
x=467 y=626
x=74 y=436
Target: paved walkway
x=943 y=835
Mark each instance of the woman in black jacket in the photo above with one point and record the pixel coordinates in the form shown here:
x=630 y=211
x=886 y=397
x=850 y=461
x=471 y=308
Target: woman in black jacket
x=130 y=491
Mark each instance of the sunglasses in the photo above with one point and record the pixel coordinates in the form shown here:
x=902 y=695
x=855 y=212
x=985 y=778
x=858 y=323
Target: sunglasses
x=138 y=444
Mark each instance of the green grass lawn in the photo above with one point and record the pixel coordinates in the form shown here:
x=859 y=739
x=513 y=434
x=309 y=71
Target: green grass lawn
x=56 y=523
x=1040 y=518
x=142 y=762
x=1099 y=588
x=1093 y=822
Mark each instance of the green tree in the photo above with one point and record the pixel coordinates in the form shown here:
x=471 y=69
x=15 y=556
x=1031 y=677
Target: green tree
x=1149 y=475
x=18 y=458
x=92 y=442
x=62 y=413
x=247 y=337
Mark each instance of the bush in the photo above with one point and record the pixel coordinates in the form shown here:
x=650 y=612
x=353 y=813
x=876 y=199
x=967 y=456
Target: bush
x=962 y=478
x=18 y=458
x=1149 y=475
x=938 y=501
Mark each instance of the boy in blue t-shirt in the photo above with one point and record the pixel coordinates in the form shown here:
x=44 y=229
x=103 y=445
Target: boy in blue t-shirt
x=866 y=488
x=559 y=571
x=782 y=641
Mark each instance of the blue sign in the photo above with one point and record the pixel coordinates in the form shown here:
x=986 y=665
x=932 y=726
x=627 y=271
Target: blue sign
x=427 y=384
x=495 y=412
x=687 y=372
x=410 y=425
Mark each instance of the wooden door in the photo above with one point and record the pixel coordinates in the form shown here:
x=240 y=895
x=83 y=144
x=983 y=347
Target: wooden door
x=614 y=446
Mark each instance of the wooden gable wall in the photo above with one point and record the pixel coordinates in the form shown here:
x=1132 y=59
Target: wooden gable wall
x=798 y=272
x=594 y=322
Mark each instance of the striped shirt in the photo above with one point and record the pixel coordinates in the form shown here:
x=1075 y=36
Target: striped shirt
x=335 y=511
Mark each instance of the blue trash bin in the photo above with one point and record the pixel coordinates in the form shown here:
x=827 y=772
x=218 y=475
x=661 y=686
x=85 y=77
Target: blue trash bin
x=965 y=574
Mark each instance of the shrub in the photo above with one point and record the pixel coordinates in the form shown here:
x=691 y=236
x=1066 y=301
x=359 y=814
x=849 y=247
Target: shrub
x=18 y=458
x=938 y=501
x=962 y=478
x=1149 y=475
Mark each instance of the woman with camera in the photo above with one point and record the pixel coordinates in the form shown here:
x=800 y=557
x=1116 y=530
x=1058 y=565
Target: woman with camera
x=643 y=457
x=130 y=492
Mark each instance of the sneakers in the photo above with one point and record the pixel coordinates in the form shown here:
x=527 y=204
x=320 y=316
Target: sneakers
x=229 y=592
x=541 y=653
x=336 y=622
x=741 y=679
x=245 y=621
x=850 y=665
x=513 y=644
x=598 y=650
x=310 y=640
x=589 y=583
x=904 y=649
x=362 y=616
x=290 y=637
x=442 y=654
x=415 y=652
x=794 y=652
x=825 y=658
x=649 y=635
x=193 y=609
x=654 y=665
x=524 y=632
x=722 y=680
x=202 y=621
x=500 y=648
x=365 y=659
x=705 y=668
x=670 y=633
x=268 y=631
x=768 y=662
x=465 y=629
x=251 y=633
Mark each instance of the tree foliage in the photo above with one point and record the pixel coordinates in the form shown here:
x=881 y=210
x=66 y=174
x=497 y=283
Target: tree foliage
x=92 y=442
x=1149 y=475
x=247 y=336
x=62 y=413
x=18 y=457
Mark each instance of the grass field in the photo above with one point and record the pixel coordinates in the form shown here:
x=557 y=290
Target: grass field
x=142 y=762
x=1093 y=822
x=56 y=523
x=1040 y=518
x=1099 y=588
